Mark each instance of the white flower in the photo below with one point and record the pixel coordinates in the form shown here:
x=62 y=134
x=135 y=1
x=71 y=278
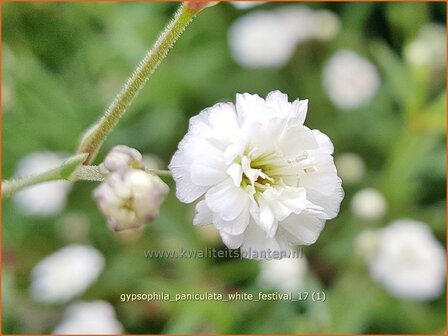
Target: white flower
x=299 y=20
x=327 y=25
x=409 y=262
x=429 y=48
x=268 y=39
x=304 y=23
x=261 y=40
x=122 y=157
x=286 y=275
x=66 y=273
x=96 y=317
x=44 y=199
x=350 y=80
x=268 y=180
x=129 y=198
x=368 y=204
x=246 y=4
x=351 y=167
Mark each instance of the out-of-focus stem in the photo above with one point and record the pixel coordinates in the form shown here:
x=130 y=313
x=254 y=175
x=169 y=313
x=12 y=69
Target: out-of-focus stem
x=95 y=136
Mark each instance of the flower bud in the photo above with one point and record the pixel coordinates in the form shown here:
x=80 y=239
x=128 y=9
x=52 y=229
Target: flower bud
x=130 y=197
x=122 y=157
x=197 y=6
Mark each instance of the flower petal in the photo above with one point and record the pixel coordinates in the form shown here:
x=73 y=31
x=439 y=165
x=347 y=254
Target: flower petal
x=296 y=140
x=235 y=226
x=204 y=216
x=304 y=228
x=227 y=200
x=231 y=241
x=325 y=144
x=329 y=203
x=257 y=245
x=186 y=190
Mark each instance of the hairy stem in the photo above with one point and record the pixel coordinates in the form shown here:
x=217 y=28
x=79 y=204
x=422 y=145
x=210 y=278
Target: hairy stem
x=95 y=136
x=10 y=187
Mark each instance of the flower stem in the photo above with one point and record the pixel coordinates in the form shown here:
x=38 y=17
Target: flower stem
x=10 y=187
x=158 y=172
x=82 y=173
x=95 y=136
x=66 y=171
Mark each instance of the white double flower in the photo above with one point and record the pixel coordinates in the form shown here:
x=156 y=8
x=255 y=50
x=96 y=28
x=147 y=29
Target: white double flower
x=267 y=180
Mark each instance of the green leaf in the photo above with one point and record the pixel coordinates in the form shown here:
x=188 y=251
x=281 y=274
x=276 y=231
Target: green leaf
x=70 y=166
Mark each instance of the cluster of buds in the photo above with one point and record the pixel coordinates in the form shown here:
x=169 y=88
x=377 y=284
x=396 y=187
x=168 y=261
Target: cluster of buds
x=129 y=196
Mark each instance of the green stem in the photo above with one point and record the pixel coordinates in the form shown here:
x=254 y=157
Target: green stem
x=158 y=172
x=95 y=136
x=10 y=187
x=66 y=171
x=82 y=173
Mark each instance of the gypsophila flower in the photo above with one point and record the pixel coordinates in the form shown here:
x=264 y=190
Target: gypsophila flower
x=45 y=199
x=66 y=273
x=304 y=23
x=268 y=39
x=327 y=25
x=368 y=204
x=350 y=80
x=261 y=40
x=129 y=198
x=122 y=157
x=429 y=48
x=285 y=275
x=96 y=317
x=351 y=167
x=268 y=181
x=408 y=261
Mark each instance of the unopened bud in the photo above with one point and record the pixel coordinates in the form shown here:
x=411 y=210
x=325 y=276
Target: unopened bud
x=197 y=6
x=122 y=157
x=130 y=198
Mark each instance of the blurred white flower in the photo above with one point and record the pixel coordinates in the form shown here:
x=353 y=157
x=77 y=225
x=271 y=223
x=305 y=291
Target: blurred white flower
x=286 y=275
x=267 y=39
x=327 y=25
x=429 y=48
x=269 y=181
x=96 y=317
x=66 y=273
x=351 y=167
x=129 y=198
x=299 y=20
x=261 y=40
x=409 y=262
x=350 y=81
x=368 y=204
x=44 y=199
x=305 y=23
x=122 y=157
x=246 y=4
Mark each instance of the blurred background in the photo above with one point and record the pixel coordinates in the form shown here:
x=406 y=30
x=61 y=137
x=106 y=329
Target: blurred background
x=374 y=74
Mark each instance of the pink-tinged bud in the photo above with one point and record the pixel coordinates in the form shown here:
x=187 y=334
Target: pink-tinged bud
x=197 y=6
x=122 y=157
x=129 y=198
